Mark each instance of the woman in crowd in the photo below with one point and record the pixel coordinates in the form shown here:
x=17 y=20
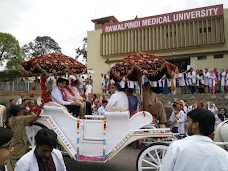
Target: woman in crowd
x=222 y=114
x=212 y=81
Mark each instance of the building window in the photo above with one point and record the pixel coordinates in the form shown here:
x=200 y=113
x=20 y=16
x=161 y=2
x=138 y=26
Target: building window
x=205 y=29
x=204 y=57
x=209 y=29
x=171 y=34
x=218 y=56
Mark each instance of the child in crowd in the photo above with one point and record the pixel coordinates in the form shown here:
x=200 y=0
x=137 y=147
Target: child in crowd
x=178 y=117
x=101 y=110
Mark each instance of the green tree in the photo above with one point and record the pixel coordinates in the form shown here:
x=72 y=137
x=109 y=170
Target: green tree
x=9 y=47
x=82 y=51
x=14 y=63
x=40 y=46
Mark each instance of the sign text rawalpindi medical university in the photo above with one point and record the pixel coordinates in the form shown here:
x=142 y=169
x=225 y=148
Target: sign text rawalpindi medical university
x=192 y=14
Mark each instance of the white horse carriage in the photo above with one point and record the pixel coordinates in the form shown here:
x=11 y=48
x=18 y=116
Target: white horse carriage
x=100 y=138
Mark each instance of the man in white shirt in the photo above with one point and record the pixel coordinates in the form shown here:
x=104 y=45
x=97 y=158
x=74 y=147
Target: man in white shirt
x=197 y=151
x=44 y=156
x=192 y=80
x=206 y=80
x=183 y=82
x=118 y=100
x=19 y=101
x=5 y=147
x=58 y=95
x=89 y=89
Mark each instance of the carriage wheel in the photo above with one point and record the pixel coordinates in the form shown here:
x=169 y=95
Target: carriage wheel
x=151 y=157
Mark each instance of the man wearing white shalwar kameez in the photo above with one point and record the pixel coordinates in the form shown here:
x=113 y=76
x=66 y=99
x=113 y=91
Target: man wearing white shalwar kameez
x=183 y=82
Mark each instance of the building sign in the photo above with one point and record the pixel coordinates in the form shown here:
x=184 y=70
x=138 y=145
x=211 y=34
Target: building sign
x=186 y=15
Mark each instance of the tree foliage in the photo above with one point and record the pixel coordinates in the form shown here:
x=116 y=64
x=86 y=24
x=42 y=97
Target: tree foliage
x=14 y=63
x=82 y=51
x=40 y=46
x=9 y=47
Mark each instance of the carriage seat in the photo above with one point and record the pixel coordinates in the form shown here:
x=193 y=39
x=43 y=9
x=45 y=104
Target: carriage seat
x=140 y=120
x=120 y=120
x=56 y=111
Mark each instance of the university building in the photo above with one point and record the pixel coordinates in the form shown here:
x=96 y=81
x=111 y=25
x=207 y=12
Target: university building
x=196 y=37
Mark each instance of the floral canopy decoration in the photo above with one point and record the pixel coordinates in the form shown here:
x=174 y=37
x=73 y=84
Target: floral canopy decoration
x=52 y=64
x=152 y=66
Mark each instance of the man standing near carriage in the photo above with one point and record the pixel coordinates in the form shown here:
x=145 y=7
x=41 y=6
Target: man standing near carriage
x=44 y=157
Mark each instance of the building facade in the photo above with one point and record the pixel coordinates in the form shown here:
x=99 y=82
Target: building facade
x=196 y=37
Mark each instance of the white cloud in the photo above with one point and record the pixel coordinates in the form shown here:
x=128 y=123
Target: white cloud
x=67 y=21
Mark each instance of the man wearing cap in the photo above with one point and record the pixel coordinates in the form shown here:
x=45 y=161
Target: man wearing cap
x=5 y=147
x=197 y=149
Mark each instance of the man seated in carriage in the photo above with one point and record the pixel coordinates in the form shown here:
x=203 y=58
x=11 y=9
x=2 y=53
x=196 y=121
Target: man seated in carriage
x=101 y=110
x=85 y=106
x=153 y=105
x=118 y=100
x=59 y=96
x=132 y=99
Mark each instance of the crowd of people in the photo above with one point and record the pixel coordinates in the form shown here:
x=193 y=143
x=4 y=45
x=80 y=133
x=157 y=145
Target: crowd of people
x=190 y=81
x=72 y=94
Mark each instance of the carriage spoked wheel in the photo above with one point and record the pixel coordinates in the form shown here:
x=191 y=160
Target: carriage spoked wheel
x=31 y=132
x=151 y=157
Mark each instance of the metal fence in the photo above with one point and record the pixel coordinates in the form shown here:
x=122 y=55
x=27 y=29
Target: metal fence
x=18 y=86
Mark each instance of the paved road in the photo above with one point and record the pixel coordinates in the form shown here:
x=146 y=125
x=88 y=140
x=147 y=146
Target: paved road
x=123 y=161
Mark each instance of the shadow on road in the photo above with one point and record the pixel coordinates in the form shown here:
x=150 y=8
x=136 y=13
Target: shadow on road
x=123 y=161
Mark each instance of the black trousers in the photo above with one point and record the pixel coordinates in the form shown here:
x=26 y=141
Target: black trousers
x=73 y=109
x=88 y=108
x=174 y=130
